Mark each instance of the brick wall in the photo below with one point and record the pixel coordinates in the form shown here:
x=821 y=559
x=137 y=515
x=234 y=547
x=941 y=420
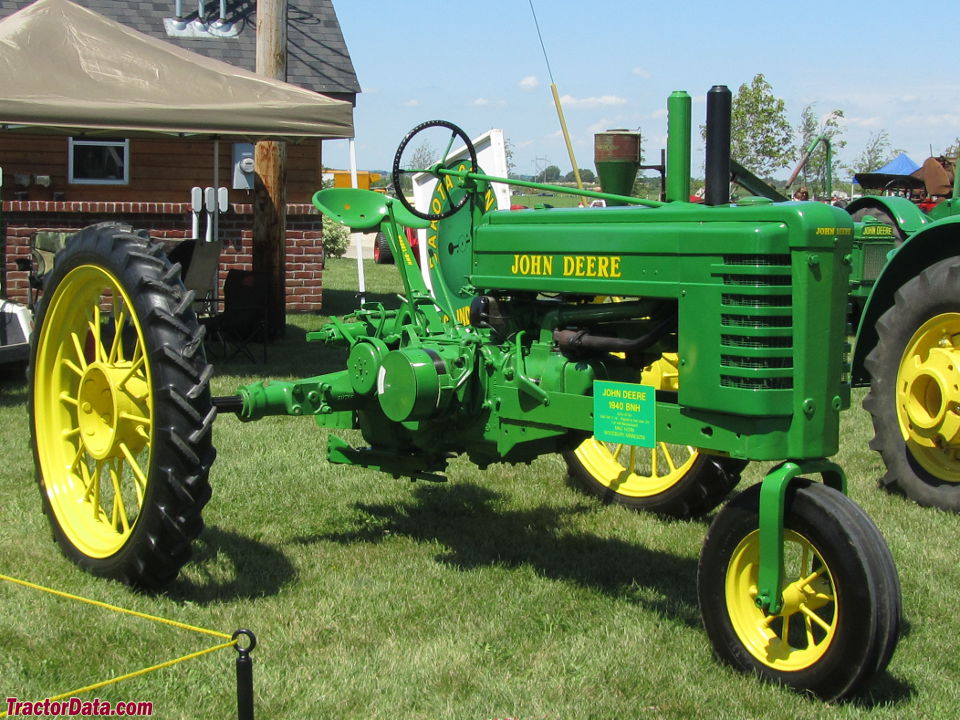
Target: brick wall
x=304 y=270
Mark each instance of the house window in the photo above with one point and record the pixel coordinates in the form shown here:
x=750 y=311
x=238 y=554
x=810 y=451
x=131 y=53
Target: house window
x=99 y=162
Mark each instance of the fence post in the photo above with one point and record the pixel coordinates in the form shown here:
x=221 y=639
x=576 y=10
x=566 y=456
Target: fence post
x=245 y=675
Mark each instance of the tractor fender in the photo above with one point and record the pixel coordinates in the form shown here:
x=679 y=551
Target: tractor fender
x=937 y=241
x=908 y=217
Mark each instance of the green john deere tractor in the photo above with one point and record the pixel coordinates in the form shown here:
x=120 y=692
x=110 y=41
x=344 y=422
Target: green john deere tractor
x=659 y=345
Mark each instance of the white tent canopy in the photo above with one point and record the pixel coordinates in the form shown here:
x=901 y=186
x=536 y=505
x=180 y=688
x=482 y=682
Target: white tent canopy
x=66 y=69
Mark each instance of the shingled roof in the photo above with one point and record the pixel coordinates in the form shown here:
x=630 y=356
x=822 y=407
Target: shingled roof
x=318 y=58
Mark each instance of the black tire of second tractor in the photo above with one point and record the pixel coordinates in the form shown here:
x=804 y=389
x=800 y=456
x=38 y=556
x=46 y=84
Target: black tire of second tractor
x=934 y=291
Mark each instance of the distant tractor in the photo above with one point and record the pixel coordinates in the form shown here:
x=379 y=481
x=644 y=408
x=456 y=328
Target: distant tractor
x=907 y=295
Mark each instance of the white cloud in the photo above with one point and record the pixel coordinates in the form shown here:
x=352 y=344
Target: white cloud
x=641 y=72
x=935 y=120
x=600 y=126
x=411 y=103
x=854 y=121
x=592 y=102
x=482 y=102
x=529 y=82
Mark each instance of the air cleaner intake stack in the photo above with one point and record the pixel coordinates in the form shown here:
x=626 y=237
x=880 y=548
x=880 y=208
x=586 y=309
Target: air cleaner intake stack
x=717 y=170
x=616 y=153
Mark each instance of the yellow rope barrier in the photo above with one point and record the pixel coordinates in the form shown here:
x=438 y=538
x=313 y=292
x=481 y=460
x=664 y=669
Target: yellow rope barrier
x=114 y=608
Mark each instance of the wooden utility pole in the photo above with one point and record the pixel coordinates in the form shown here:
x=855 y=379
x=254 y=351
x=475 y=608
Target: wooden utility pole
x=270 y=166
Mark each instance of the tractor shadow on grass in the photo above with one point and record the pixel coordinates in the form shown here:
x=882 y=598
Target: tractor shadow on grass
x=474 y=533
x=465 y=519
x=13 y=385
x=228 y=566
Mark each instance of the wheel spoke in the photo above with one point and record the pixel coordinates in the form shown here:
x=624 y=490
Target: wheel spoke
x=81 y=355
x=804 y=560
x=615 y=452
x=119 y=511
x=443 y=156
x=139 y=479
x=65 y=397
x=97 y=480
x=811 y=615
x=668 y=456
x=116 y=347
x=73 y=368
x=137 y=365
x=79 y=466
x=94 y=325
x=808 y=632
x=135 y=418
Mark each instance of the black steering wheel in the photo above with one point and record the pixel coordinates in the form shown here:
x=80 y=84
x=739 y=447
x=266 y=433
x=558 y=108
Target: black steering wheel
x=398 y=171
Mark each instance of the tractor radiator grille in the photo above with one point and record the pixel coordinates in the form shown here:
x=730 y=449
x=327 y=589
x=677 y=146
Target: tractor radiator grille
x=756 y=350
x=757 y=260
x=756 y=280
x=745 y=341
x=874 y=258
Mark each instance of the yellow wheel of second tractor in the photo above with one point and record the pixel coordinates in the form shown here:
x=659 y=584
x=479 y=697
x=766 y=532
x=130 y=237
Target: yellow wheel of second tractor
x=675 y=480
x=120 y=408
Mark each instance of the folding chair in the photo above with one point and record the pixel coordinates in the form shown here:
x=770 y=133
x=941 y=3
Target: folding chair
x=199 y=261
x=245 y=317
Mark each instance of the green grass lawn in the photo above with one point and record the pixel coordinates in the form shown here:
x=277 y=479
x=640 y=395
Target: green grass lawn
x=503 y=593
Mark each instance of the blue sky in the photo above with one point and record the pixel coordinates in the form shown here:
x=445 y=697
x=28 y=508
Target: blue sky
x=888 y=65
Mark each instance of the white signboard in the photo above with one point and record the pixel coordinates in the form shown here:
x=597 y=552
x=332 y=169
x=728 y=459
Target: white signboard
x=492 y=160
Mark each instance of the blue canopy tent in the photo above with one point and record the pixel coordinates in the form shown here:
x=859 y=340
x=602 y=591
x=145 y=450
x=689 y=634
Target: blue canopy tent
x=896 y=173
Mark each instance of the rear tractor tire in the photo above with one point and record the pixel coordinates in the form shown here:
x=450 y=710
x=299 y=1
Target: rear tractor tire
x=120 y=409
x=840 y=619
x=914 y=397
x=677 y=481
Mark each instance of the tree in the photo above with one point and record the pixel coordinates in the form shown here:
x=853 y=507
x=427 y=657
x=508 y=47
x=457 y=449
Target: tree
x=551 y=174
x=423 y=157
x=761 y=138
x=810 y=128
x=875 y=154
x=586 y=175
x=508 y=155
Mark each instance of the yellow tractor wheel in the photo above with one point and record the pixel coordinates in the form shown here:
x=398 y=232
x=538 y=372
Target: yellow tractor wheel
x=675 y=480
x=120 y=408
x=914 y=397
x=841 y=607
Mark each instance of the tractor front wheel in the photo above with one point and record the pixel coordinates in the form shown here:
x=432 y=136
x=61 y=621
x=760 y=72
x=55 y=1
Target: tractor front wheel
x=120 y=409
x=914 y=396
x=840 y=619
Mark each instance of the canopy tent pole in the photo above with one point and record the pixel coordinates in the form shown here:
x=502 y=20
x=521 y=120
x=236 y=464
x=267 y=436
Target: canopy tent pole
x=361 y=286
x=216 y=186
